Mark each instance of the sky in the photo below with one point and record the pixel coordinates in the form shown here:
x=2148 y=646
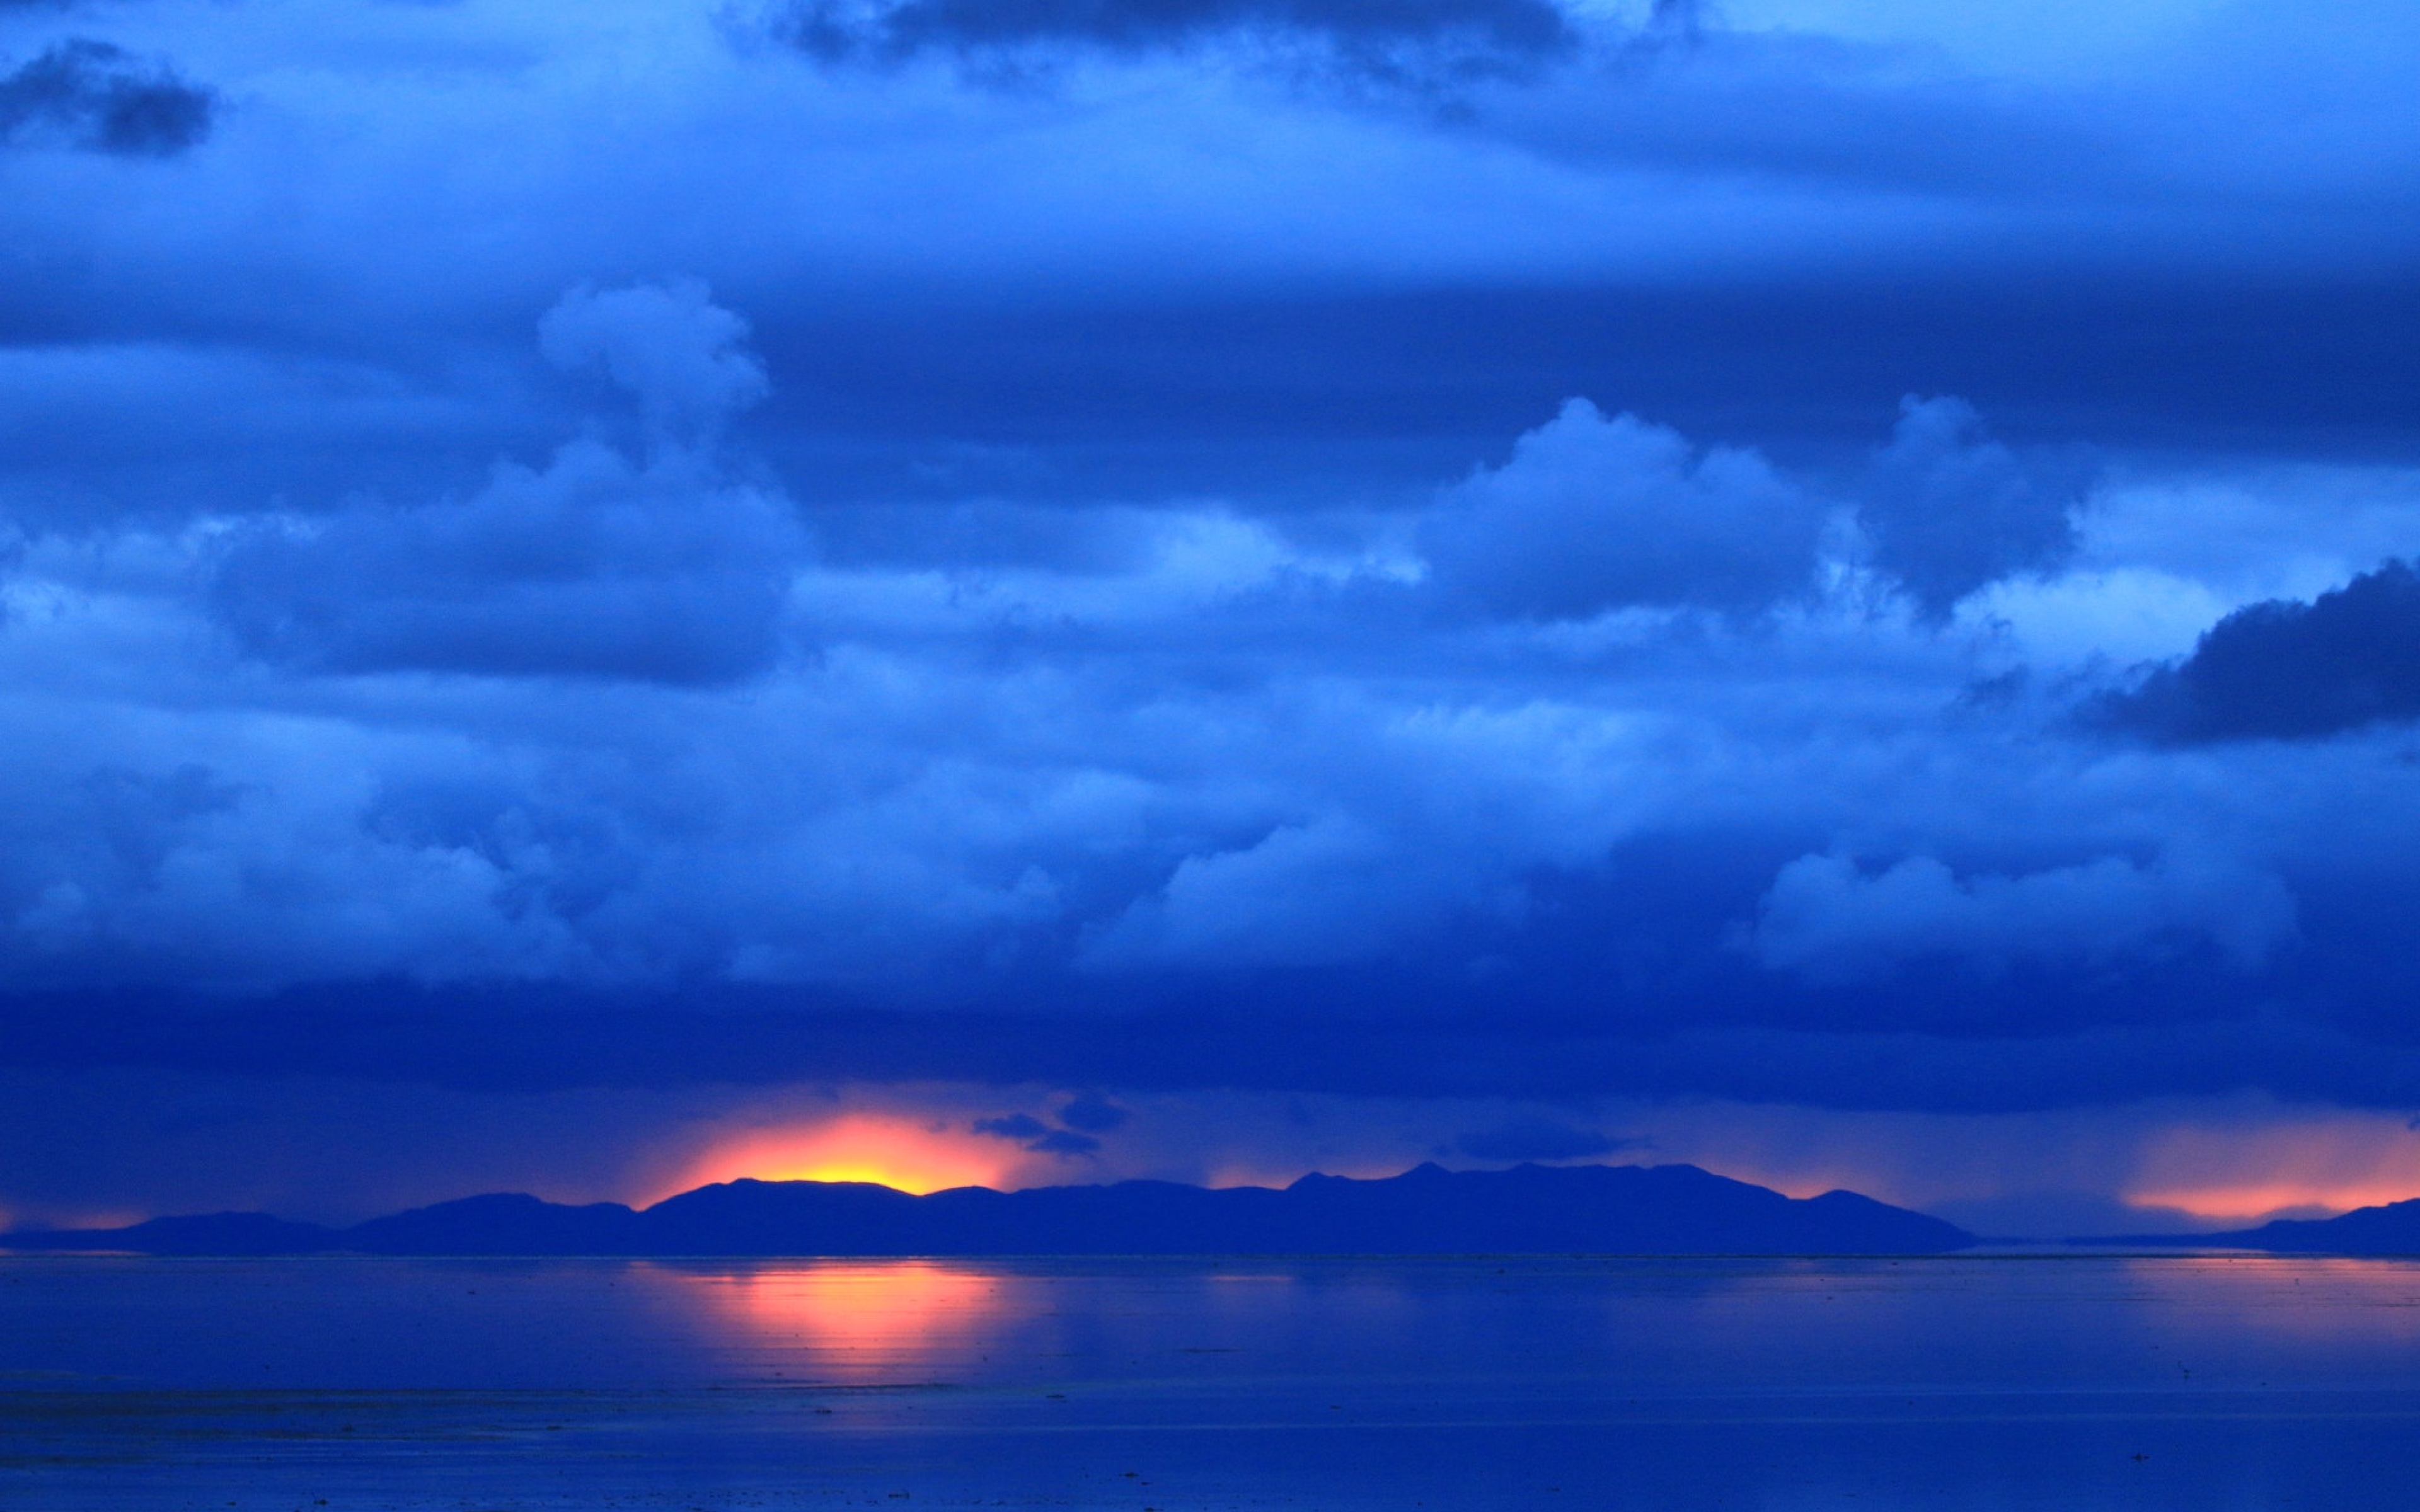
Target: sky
x=594 y=597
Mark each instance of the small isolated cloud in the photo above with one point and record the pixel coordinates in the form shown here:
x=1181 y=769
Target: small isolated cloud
x=1542 y=1139
x=1948 y=510
x=1092 y=1113
x=1377 y=37
x=94 y=97
x=1594 y=513
x=2286 y=671
x=1026 y=1130
x=1830 y=921
x=680 y=354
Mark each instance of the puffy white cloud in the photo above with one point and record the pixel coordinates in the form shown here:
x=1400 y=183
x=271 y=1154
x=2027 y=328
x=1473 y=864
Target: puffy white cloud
x=1593 y=514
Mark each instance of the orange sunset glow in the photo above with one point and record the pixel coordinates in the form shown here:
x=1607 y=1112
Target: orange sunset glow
x=911 y=1154
x=2245 y=1175
x=2258 y=1203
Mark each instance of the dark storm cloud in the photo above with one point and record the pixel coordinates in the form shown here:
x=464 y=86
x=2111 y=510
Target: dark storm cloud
x=1372 y=36
x=535 y=1040
x=1227 y=586
x=96 y=97
x=2285 y=671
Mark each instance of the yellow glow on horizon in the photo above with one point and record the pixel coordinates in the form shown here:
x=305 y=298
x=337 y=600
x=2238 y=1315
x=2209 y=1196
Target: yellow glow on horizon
x=887 y=1150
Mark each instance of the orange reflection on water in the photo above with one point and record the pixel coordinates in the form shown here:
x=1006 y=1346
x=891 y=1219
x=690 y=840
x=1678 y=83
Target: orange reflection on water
x=867 y=1315
x=2345 y=1303
x=884 y=1148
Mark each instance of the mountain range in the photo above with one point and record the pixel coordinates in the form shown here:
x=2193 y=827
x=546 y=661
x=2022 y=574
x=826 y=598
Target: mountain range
x=1601 y=1210
x=2392 y=1228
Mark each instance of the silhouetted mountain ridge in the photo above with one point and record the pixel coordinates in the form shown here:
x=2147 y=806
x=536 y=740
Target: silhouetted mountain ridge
x=2392 y=1228
x=1605 y=1210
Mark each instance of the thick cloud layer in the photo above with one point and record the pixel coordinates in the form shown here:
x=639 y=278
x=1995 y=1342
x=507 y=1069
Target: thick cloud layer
x=1375 y=37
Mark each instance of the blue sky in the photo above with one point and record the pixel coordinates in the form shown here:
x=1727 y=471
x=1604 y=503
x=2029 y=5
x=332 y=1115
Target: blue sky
x=1812 y=586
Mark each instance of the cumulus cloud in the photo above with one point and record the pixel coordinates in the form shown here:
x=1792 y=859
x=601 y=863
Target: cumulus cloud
x=95 y=97
x=2286 y=670
x=1830 y=921
x=683 y=356
x=1594 y=513
x=1949 y=510
x=596 y=565
x=1175 y=793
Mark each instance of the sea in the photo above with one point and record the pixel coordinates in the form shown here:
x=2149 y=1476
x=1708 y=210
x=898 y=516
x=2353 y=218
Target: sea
x=2033 y=1383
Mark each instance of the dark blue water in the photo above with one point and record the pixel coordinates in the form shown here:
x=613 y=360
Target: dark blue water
x=1934 y=1384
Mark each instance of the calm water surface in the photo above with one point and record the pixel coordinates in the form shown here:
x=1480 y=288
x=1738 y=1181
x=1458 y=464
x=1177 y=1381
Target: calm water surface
x=1970 y=1385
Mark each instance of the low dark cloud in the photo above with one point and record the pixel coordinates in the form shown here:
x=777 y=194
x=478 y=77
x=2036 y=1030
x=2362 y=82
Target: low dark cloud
x=2286 y=670
x=97 y=98
x=1376 y=37
x=530 y=1041
x=1018 y=1126
x=1541 y=1139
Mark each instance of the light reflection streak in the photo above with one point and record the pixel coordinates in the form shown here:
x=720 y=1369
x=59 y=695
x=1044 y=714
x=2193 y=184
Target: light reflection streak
x=2369 y=1304
x=854 y=1320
